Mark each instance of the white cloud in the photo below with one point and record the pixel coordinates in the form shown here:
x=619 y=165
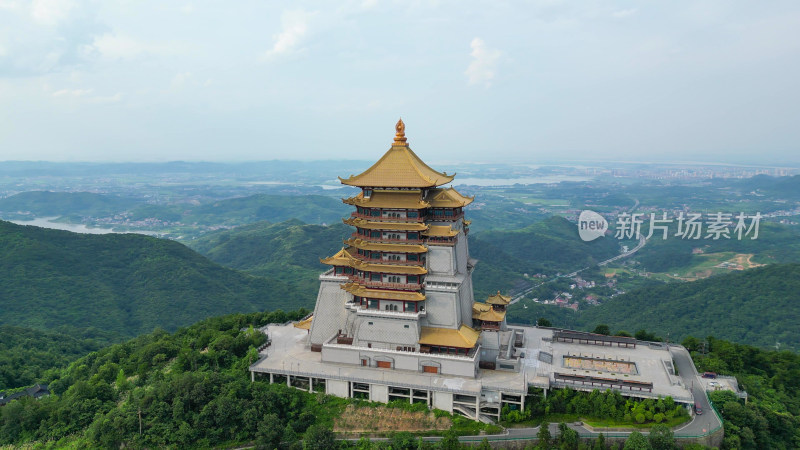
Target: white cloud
x=72 y=92
x=294 y=27
x=51 y=12
x=624 y=13
x=116 y=47
x=180 y=79
x=484 y=63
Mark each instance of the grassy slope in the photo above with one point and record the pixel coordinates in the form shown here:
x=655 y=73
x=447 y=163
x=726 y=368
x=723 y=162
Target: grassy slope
x=126 y=284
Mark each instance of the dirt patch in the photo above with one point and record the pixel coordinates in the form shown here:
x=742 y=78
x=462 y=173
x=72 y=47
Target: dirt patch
x=381 y=419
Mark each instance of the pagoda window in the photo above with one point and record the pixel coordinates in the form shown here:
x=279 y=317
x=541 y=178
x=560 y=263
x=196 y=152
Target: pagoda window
x=410 y=307
x=448 y=212
x=375 y=213
x=437 y=212
x=413 y=279
x=413 y=235
x=348 y=270
x=367 y=193
x=413 y=214
x=376 y=277
x=394 y=279
x=376 y=234
x=339 y=270
x=376 y=255
x=373 y=304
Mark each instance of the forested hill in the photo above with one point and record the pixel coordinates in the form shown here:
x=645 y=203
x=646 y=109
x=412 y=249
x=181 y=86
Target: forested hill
x=122 y=283
x=549 y=246
x=288 y=250
x=758 y=307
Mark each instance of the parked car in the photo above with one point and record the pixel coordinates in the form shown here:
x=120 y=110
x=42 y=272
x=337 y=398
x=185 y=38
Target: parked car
x=709 y=375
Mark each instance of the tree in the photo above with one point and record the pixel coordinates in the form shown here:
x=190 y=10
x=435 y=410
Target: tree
x=602 y=329
x=450 y=441
x=544 y=435
x=599 y=443
x=661 y=438
x=270 y=431
x=542 y=322
x=318 y=437
x=637 y=441
x=484 y=445
x=568 y=438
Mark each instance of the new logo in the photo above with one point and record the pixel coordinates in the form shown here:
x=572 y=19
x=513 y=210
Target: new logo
x=591 y=225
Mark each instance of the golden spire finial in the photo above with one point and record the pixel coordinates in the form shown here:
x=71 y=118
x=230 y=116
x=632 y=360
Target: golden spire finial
x=400 y=136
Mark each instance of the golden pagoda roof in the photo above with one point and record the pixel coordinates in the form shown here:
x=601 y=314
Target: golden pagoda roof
x=498 y=299
x=304 y=324
x=401 y=248
x=362 y=291
x=341 y=258
x=440 y=231
x=482 y=311
x=447 y=198
x=344 y=258
x=464 y=337
x=399 y=167
x=389 y=199
x=371 y=225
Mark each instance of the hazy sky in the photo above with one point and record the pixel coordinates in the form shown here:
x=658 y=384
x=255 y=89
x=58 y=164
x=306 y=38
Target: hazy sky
x=474 y=81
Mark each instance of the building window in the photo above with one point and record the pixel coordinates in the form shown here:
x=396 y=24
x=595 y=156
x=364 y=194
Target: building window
x=411 y=306
x=413 y=279
x=448 y=212
x=413 y=257
x=413 y=214
x=413 y=235
x=405 y=326
x=372 y=304
x=367 y=193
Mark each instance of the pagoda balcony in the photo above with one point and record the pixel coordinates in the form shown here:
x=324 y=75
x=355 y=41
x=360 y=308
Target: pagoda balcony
x=390 y=261
x=444 y=218
x=387 y=219
x=364 y=311
x=386 y=285
x=382 y=240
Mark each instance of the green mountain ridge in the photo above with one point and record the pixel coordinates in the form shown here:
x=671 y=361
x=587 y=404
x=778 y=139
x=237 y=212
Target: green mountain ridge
x=122 y=283
x=756 y=307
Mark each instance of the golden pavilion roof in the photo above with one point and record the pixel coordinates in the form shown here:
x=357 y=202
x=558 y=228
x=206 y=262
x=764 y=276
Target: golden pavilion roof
x=371 y=225
x=401 y=248
x=498 y=299
x=484 y=312
x=399 y=167
x=440 y=231
x=304 y=324
x=344 y=258
x=464 y=337
x=362 y=291
x=341 y=258
x=447 y=198
x=389 y=199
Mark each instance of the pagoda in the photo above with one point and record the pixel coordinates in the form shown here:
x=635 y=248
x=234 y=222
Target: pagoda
x=403 y=280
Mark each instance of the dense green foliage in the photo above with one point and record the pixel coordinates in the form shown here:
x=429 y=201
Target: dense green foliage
x=288 y=250
x=121 y=283
x=190 y=387
x=25 y=354
x=603 y=405
x=771 y=417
